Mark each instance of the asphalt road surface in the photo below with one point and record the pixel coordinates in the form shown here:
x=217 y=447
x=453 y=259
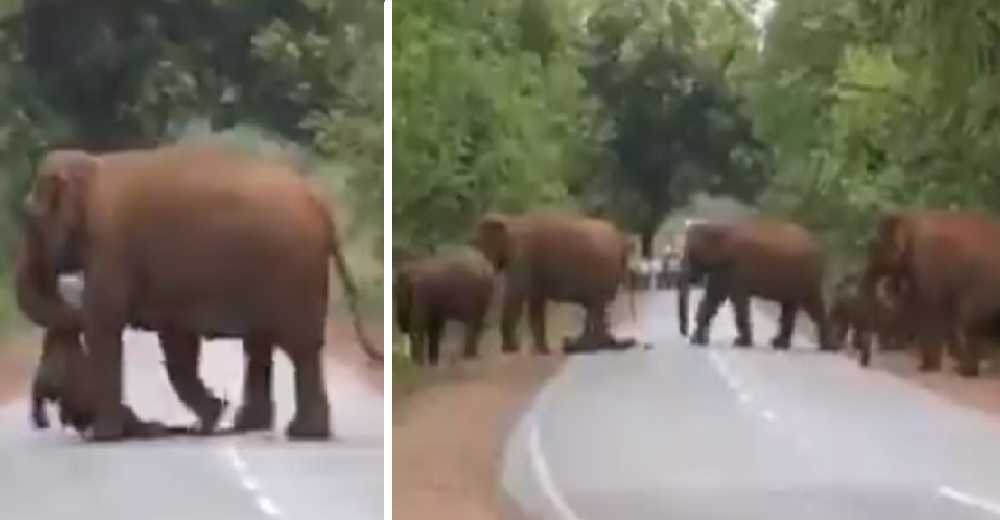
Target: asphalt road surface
x=718 y=433
x=52 y=474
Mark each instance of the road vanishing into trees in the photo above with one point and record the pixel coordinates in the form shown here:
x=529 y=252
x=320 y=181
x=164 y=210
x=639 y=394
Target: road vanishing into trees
x=719 y=433
x=53 y=475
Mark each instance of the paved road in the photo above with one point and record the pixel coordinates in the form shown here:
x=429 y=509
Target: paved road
x=718 y=433
x=52 y=475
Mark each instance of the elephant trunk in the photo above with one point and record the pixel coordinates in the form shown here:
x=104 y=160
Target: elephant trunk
x=683 y=289
x=36 y=288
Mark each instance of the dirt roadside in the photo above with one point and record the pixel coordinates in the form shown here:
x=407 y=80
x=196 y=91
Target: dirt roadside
x=18 y=357
x=448 y=432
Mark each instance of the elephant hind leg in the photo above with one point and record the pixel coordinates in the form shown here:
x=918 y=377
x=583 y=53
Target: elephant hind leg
x=741 y=315
x=182 y=352
x=786 y=325
x=256 y=413
x=536 y=314
x=312 y=405
x=435 y=330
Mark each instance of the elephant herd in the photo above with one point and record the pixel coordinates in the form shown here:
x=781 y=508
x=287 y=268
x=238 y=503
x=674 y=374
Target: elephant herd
x=929 y=278
x=543 y=257
x=192 y=242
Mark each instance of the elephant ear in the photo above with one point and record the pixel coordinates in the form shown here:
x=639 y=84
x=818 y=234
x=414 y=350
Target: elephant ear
x=493 y=238
x=55 y=203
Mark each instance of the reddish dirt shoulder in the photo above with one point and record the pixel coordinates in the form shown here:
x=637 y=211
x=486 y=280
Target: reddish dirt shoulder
x=982 y=393
x=18 y=357
x=342 y=346
x=448 y=438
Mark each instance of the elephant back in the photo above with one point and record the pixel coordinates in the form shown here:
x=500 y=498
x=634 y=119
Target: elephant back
x=574 y=258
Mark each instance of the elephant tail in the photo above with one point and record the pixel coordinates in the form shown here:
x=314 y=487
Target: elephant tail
x=351 y=291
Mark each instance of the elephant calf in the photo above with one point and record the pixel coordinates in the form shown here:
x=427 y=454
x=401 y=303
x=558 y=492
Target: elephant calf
x=456 y=285
x=864 y=318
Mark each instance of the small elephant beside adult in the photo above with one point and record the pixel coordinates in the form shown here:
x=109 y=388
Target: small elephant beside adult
x=430 y=291
x=762 y=258
x=949 y=262
x=195 y=241
x=548 y=256
x=866 y=318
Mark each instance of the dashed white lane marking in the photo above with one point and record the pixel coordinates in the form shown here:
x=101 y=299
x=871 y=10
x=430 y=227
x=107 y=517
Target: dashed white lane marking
x=768 y=415
x=744 y=397
x=969 y=500
x=264 y=503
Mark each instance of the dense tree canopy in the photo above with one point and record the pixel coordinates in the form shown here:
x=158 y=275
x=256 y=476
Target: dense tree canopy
x=107 y=74
x=616 y=108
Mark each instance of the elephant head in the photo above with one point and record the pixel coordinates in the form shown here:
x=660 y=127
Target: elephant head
x=706 y=248
x=55 y=204
x=494 y=238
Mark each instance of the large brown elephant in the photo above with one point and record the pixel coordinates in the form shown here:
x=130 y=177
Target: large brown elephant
x=430 y=291
x=555 y=257
x=763 y=258
x=193 y=240
x=949 y=263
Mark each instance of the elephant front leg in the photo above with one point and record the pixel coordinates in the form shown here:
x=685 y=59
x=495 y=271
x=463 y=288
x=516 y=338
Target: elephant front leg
x=105 y=374
x=257 y=411
x=512 y=307
x=708 y=307
x=312 y=406
x=182 y=353
x=536 y=313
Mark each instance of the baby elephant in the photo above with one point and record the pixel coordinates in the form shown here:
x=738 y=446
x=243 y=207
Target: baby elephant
x=852 y=313
x=429 y=291
x=61 y=357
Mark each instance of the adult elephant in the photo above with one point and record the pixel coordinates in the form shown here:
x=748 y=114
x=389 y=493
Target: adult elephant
x=763 y=258
x=948 y=262
x=193 y=240
x=547 y=257
x=450 y=286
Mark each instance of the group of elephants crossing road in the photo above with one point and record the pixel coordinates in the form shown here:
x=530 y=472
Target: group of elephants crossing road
x=929 y=277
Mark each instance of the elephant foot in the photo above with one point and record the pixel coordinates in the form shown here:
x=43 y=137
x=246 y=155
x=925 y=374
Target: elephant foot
x=311 y=425
x=255 y=416
x=39 y=417
x=699 y=339
x=743 y=342
x=509 y=349
x=927 y=365
x=113 y=426
x=781 y=343
x=968 y=370
x=210 y=414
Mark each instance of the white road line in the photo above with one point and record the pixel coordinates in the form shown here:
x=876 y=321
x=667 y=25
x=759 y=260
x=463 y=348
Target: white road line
x=969 y=500
x=768 y=414
x=541 y=468
x=745 y=398
x=239 y=464
x=268 y=507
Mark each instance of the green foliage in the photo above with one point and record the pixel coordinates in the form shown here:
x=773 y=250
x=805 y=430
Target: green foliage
x=872 y=104
x=621 y=109
x=487 y=114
